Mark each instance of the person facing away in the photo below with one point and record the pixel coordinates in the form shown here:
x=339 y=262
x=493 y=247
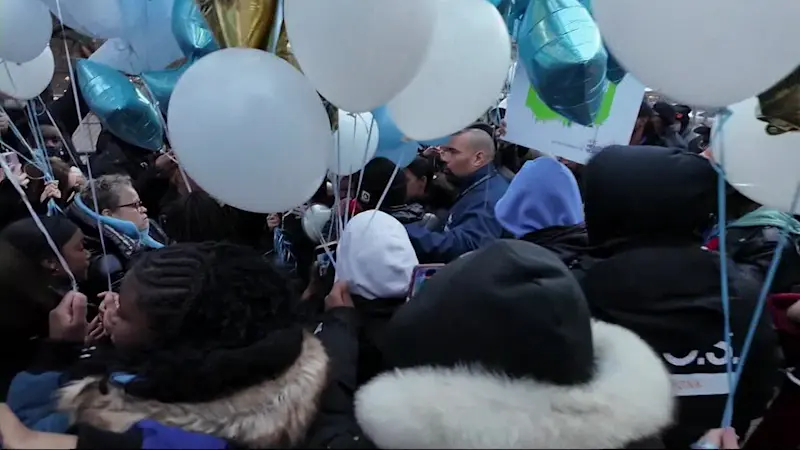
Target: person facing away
x=648 y=270
x=377 y=177
x=32 y=282
x=543 y=205
x=471 y=223
x=376 y=259
x=206 y=341
x=499 y=350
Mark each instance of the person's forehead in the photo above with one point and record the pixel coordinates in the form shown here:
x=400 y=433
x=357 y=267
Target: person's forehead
x=128 y=193
x=49 y=130
x=459 y=142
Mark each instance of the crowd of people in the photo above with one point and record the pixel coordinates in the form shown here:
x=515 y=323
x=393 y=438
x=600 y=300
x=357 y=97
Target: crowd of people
x=567 y=306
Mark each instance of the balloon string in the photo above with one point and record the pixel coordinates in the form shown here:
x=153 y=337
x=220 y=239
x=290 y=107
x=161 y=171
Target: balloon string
x=350 y=176
x=163 y=120
x=762 y=300
x=366 y=153
x=70 y=151
x=723 y=257
x=100 y=228
x=277 y=24
x=9 y=148
x=383 y=195
x=39 y=224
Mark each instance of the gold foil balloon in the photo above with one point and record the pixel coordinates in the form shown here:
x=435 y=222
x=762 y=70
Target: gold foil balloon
x=248 y=23
x=779 y=106
x=239 y=23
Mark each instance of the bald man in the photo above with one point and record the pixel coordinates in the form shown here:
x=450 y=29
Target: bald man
x=471 y=223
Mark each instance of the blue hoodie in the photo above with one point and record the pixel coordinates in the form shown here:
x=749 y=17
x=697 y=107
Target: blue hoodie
x=543 y=194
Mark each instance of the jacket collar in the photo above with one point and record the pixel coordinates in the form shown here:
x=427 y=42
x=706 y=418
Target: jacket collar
x=629 y=399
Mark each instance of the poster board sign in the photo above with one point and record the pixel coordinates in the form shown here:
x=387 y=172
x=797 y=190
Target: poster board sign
x=533 y=124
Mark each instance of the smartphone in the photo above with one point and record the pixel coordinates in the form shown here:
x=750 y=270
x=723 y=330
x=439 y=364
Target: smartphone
x=419 y=276
x=12 y=159
x=323 y=254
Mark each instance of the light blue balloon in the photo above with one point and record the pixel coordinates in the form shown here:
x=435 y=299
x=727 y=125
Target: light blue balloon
x=161 y=83
x=153 y=43
x=392 y=143
x=435 y=142
x=563 y=55
x=120 y=106
x=191 y=30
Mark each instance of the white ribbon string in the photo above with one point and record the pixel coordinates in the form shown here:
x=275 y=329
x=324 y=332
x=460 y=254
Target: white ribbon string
x=56 y=251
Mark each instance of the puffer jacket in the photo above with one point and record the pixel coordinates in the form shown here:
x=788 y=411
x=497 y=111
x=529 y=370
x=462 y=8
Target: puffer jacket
x=648 y=271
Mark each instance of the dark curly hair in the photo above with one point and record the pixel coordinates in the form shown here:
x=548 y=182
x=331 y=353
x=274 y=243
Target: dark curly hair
x=223 y=318
x=198 y=217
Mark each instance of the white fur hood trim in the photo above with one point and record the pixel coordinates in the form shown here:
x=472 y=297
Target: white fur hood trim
x=630 y=398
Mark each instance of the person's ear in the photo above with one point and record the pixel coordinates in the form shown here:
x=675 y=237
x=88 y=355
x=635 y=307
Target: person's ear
x=106 y=212
x=480 y=159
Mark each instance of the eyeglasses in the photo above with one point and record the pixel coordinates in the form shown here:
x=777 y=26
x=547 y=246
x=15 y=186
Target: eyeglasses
x=136 y=205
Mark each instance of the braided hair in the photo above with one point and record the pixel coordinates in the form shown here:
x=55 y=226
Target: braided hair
x=220 y=318
x=198 y=217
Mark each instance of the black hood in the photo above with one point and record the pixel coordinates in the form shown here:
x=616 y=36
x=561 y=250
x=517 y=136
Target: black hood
x=644 y=192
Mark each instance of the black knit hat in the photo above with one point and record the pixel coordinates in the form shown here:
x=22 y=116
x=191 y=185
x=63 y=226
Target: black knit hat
x=512 y=307
x=377 y=174
x=25 y=236
x=666 y=112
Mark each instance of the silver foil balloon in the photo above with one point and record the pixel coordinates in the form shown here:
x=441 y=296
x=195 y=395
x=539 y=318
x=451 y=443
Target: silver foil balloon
x=191 y=30
x=121 y=107
x=161 y=83
x=314 y=220
x=563 y=55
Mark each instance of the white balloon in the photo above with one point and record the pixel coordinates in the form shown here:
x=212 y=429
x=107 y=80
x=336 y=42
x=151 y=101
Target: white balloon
x=763 y=168
x=463 y=73
x=360 y=54
x=314 y=220
x=100 y=18
x=25 y=29
x=29 y=79
x=250 y=130
x=354 y=143
x=743 y=51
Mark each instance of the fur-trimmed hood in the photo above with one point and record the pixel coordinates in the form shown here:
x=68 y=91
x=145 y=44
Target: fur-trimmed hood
x=629 y=399
x=274 y=412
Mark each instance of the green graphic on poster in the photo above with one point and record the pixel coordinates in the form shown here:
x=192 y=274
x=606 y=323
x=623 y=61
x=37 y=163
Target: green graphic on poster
x=543 y=113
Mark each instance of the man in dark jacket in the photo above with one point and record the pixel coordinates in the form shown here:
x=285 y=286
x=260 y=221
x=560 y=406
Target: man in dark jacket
x=472 y=223
x=649 y=272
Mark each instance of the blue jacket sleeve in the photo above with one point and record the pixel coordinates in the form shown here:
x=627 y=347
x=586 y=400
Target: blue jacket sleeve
x=475 y=227
x=31 y=398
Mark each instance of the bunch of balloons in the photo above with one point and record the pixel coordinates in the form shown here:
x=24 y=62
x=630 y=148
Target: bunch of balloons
x=401 y=72
x=130 y=104
x=26 y=62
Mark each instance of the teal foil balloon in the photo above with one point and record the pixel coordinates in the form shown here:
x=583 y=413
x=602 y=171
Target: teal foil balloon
x=563 y=55
x=191 y=30
x=161 y=83
x=614 y=72
x=121 y=107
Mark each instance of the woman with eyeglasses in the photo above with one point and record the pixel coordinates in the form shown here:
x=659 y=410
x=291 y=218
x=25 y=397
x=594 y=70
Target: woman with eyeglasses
x=111 y=204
